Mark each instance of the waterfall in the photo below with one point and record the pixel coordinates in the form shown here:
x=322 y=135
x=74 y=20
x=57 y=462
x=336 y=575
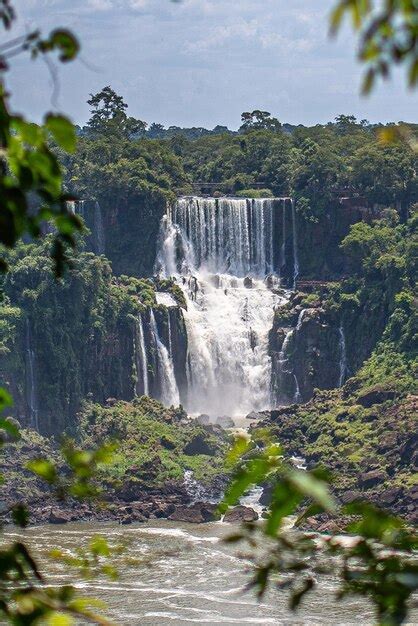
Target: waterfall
x=283 y=358
x=141 y=358
x=343 y=357
x=225 y=235
x=169 y=391
x=99 y=232
x=297 y=397
x=195 y=490
x=170 y=341
x=31 y=388
x=295 y=246
x=283 y=248
x=221 y=253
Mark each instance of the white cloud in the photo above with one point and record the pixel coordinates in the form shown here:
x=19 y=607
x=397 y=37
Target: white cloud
x=202 y=62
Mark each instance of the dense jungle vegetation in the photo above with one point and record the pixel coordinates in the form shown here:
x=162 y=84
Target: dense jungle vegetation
x=315 y=165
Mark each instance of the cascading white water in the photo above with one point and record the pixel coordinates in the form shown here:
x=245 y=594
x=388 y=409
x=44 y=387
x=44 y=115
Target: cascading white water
x=31 y=390
x=169 y=390
x=227 y=330
x=170 y=340
x=225 y=235
x=141 y=358
x=221 y=252
x=283 y=356
x=343 y=357
x=283 y=246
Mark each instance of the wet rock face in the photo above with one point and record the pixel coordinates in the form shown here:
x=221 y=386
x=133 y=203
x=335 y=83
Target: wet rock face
x=198 y=513
x=241 y=514
x=305 y=351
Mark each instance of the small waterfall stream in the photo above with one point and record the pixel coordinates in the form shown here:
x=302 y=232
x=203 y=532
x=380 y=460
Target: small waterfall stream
x=31 y=387
x=284 y=359
x=141 y=359
x=169 y=391
x=343 y=357
x=170 y=339
x=283 y=246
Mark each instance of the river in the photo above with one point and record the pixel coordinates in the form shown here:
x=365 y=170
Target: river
x=182 y=574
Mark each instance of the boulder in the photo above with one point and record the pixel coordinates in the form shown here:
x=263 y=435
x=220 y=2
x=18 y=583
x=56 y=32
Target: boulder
x=131 y=490
x=59 y=517
x=248 y=282
x=376 y=395
x=130 y=518
x=254 y=415
x=167 y=443
x=197 y=513
x=390 y=496
x=164 y=510
x=350 y=496
x=311 y=523
x=388 y=442
x=331 y=527
x=265 y=497
x=369 y=479
x=241 y=514
x=203 y=419
x=199 y=445
x=224 y=421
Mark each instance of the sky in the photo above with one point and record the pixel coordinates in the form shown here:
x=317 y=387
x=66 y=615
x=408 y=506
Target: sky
x=203 y=62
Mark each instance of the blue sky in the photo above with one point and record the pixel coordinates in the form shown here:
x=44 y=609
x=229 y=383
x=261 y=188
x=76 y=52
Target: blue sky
x=203 y=62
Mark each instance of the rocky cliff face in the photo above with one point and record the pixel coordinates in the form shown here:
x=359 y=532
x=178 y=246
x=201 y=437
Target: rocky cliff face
x=125 y=230
x=306 y=350
x=320 y=256
x=366 y=438
x=77 y=339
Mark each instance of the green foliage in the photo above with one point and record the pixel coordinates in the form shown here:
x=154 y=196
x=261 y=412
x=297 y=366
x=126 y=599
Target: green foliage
x=259 y=120
x=72 y=322
x=254 y=193
x=152 y=439
x=378 y=563
x=109 y=116
x=31 y=190
x=81 y=467
x=387 y=35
